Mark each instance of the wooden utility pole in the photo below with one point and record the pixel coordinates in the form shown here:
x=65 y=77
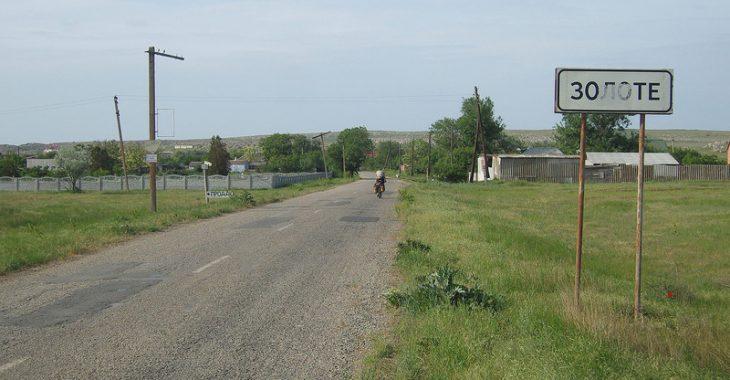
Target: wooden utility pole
x=482 y=134
x=581 y=197
x=343 y=160
x=428 y=167
x=476 y=144
x=151 y=52
x=639 y=217
x=324 y=156
x=121 y=143
x=413 y=154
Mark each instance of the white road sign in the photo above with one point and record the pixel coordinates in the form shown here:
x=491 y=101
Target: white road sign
x=150 y=158
x=614 y=91
x=218 y=194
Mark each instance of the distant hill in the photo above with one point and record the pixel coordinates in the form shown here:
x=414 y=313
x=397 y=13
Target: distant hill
x=704 y=141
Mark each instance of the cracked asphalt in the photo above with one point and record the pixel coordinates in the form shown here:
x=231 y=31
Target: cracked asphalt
x=287 y=290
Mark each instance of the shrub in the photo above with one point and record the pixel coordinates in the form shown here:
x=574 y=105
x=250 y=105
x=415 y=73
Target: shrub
x=440 y=287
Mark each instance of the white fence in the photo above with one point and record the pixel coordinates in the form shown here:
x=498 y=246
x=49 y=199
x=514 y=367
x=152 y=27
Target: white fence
x=164 y=182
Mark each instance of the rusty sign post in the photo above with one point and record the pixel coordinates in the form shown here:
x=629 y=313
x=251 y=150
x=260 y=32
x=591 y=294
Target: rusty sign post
x=613 y=91
x=639 y=217
x=581 y=200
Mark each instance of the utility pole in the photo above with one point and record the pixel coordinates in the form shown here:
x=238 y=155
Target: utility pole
x=324 y=158
x=151 y=52
x=476 y=144
x=121 y=143
x=413 y=153
x=428 y=168
x=482 y=137
x=343 y=160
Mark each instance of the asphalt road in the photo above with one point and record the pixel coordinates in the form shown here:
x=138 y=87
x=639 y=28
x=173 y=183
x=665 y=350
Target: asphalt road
x=287 y=290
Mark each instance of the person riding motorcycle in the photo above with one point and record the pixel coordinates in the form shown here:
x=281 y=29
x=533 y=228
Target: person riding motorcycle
x=379 y=181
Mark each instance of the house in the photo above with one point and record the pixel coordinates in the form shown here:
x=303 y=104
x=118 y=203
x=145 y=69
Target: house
x=542 y=151
x=619 y=158
x=239 y=166
x=49 y=163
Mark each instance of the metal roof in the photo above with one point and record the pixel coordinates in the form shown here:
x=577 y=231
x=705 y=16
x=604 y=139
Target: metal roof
x=616 y=158
x=542 y=151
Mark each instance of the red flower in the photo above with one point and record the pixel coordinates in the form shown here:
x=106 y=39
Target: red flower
x=670 y=294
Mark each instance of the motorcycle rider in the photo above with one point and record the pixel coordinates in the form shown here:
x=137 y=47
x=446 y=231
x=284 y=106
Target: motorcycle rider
x=380 y=179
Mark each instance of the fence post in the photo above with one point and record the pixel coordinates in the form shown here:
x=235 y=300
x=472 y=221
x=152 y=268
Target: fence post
x=250 y=181
x=185 y=182
x=228 y=178
x=141 y=178
x=37 y=184
x=164 y=182
x=17 y=184
x=58 y=184
x=101 y=184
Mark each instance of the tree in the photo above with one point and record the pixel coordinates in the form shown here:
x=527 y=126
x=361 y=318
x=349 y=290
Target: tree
x=604 y=133
x=454 y=139
x=689 y=156
x=134 y=154
x=492 y=126
x=356 y=143
x=103 y=158
x=11 y=165
x=218 y=157
x=74 y=162
x=287 y=153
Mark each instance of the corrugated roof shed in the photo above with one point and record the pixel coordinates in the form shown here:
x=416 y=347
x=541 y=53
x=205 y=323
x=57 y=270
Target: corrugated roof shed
x=617 y=158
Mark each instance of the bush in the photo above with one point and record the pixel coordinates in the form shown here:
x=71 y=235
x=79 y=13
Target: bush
x=440 y=287
x=245 y=198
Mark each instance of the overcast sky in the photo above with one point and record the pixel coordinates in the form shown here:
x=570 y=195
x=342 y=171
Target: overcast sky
x=256 y=67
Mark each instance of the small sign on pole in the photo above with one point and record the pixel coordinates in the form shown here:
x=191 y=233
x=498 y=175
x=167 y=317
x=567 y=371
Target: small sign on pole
x=150 y=158
x=621 y=91
x=218 y=194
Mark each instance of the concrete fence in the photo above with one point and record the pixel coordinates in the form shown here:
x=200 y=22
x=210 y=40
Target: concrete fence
x=164 y=182
x=566 y=171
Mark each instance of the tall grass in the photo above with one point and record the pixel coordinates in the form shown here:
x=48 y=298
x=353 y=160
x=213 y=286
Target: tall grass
x=38 y=227
x=518 y=240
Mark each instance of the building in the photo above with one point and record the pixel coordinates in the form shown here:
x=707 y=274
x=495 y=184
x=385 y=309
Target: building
x=543 y=151
x=49 y=163
x=239 y=166
x=533 y=168
x=619 y=158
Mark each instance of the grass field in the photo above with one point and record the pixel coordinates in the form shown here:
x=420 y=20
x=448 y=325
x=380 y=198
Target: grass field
x=39 y=227
x=517 y=240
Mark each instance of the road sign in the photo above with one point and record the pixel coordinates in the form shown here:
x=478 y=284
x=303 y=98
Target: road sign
x=218 y=194
x=614 y=91
x=150 y=158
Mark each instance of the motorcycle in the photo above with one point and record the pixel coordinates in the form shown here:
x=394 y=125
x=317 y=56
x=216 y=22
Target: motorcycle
x=379 y=188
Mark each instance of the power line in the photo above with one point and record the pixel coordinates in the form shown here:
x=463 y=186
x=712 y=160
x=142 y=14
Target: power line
x=53 y=106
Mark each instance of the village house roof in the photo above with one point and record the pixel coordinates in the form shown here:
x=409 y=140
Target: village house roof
x=618 y=158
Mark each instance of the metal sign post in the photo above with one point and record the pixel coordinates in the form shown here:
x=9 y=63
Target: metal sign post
x=204 y=166
x=639 y=217
x=581 y=198
x=613 y=91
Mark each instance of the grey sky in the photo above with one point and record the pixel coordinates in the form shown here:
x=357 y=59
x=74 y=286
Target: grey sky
x=255 y=67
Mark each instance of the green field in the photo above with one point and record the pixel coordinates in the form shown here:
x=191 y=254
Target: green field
x=517 y=240
x=39 y=227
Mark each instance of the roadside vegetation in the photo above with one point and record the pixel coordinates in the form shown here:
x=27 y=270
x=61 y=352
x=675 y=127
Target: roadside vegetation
x=515 y=242
x=39 y=227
